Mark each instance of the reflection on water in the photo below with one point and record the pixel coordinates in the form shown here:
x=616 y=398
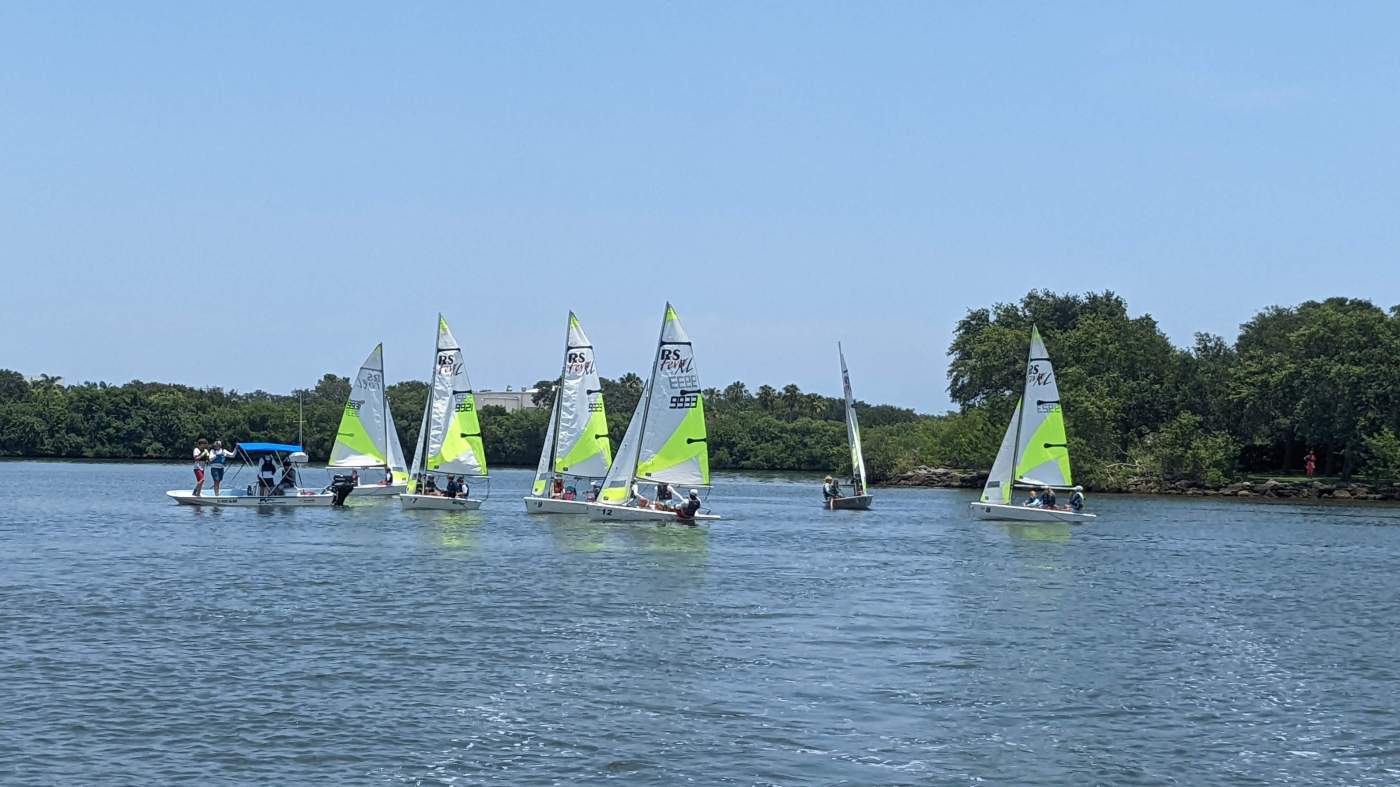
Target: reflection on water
x=452 y=530
x=1054 y=532
x=907 y=645
x=574 y=533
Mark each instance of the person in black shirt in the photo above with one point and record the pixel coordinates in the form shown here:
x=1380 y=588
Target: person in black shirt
x=689 y=508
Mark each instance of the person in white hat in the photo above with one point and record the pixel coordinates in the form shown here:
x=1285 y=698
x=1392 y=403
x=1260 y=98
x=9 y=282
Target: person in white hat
x=690 y=506
x=1076 y=500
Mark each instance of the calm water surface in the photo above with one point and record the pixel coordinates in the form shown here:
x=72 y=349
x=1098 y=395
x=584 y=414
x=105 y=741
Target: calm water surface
x=1177 y=641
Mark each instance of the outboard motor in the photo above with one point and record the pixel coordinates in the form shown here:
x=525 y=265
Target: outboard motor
x=341 y=487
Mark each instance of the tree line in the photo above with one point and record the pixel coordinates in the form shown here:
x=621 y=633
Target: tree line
x=1320 y=376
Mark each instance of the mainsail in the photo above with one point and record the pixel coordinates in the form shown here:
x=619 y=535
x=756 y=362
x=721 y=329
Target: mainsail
x=852 y=424
x=1034 y=451
x=366 y=437
x=450 y=440
x=577 y=443
x=673 y=444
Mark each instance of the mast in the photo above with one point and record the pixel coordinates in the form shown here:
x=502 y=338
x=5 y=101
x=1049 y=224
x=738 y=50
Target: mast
x=650 y=388
x=384 y=396
x=1020 y=413
x=428 y=420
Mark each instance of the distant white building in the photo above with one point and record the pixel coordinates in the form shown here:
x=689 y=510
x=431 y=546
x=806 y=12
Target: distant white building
x=509 y=399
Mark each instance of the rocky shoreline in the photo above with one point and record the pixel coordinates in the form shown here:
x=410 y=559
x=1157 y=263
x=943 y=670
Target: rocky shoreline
x=1305 y=489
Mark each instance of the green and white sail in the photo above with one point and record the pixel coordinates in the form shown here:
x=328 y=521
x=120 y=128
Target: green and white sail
x=1034 y=451
x=450 y=440
x=673 y=445
x=852 y=424
x=577 y=443
x=617 y=486
x=366 y=436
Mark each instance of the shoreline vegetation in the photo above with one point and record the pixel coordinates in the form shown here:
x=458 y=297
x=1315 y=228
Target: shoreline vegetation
x=1143 y=415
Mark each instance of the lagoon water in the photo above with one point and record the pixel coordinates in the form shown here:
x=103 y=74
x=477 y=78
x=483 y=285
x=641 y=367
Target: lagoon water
x=1176 y=641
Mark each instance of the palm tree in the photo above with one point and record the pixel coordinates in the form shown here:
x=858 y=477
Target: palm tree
x=767 y=396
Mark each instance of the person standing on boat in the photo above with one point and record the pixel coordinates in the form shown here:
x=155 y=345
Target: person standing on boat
x=267 y=476
x=218 y=461
x=201 y=463
x=690 y=506
x=1076 y=500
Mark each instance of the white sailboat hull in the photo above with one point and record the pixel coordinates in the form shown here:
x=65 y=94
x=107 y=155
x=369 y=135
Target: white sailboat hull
x=547 y=505
x=379 y=490
x=604 y=512
x=852 y=503
x=187 y=497
x=436 y=503
x=1009 y=513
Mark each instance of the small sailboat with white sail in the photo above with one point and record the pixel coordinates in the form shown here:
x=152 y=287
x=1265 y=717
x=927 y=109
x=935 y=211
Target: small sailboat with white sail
x=367 y=441
x=1034 y=452
x=576 y=447
x=449 y=447
x=665 y=444
x=860 y=498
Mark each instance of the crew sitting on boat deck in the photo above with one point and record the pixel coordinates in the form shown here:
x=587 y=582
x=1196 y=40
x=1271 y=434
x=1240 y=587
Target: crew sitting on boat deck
x=1047 y=498
x=664 y=496
x=638 y=499
x=1032 y=499
x=830 y=489
x=289 y=480
x=556 y=489
x=593 y=489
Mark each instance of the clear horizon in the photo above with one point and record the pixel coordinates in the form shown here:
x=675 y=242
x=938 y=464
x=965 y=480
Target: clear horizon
x=250 y=198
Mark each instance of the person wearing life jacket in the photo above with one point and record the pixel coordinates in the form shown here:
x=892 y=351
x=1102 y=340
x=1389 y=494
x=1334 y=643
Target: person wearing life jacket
x=218 y=461
x=1032 y=499
x=267 y=475
x=1076 y=500
x=831 y=489
x=1047 y=498
x=663 y=495
x=689 y=508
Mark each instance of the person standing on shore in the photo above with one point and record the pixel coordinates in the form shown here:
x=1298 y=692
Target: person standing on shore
x=218 y=460
x=1310 y=463
x=201 y=463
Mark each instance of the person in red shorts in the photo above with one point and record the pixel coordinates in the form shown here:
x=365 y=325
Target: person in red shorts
x=201 y=463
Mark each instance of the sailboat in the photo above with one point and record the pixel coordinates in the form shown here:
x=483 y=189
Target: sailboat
x=665 y=440
x=449 y=439
x=1034 y=452
x=367 y=439
x=860 y=499
x=576 y=446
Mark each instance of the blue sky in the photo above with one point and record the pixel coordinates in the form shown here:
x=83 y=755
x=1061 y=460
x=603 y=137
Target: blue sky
x=248 y=195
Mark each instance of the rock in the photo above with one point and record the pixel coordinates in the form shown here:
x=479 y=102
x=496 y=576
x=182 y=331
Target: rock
x=1341 y=494
x=939 y=477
